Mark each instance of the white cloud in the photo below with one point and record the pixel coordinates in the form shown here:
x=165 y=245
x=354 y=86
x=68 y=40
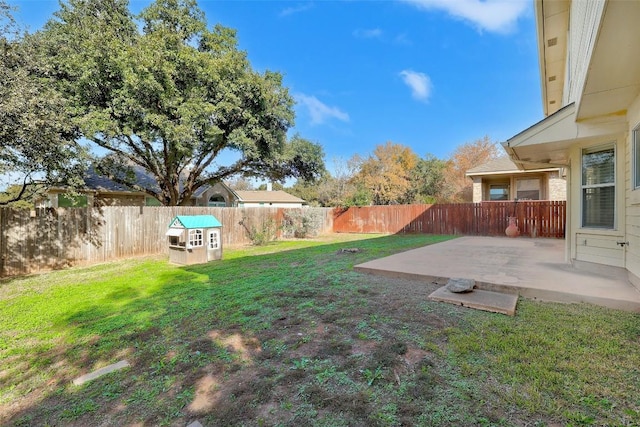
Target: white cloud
x=296 y=9
x=319 y=111
x=402 y=39
x=419 y=83
x=499 y=16
x=373 y=33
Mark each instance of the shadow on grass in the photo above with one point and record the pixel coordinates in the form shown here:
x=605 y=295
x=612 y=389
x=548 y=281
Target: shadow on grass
x=183 y=329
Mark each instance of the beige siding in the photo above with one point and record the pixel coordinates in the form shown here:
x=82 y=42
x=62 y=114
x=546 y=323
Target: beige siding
x=583 y=28
x=632 y=200
x=601 y=249
x=599 y=242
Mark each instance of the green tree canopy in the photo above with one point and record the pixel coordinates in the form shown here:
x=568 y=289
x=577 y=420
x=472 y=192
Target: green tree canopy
x=427 y=180
x=385 y=175
x=171 y=97
x=37 y=136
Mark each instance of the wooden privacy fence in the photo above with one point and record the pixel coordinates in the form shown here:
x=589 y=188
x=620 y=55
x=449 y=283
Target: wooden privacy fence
x=534 y=218
x=32 y=241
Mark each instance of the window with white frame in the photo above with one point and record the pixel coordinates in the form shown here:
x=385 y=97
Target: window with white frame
x=499 y=192
x=214 y=242
x=598 y=187
x=195 y=238
x=636 y=157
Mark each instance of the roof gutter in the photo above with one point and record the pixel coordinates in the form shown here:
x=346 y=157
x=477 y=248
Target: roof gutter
x=539 y=12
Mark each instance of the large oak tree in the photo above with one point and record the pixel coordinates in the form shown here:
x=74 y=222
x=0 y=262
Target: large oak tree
x=164 y=94
x=37 y=136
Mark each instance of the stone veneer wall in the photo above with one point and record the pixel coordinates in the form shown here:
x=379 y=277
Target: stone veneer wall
x=477 y=189
x=557 y=186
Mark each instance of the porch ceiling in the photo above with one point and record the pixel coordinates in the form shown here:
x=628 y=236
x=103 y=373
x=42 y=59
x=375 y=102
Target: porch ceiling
x=613 y=79
x=547 y=143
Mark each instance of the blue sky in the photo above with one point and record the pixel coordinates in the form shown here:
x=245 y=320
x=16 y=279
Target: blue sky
x=429 y=74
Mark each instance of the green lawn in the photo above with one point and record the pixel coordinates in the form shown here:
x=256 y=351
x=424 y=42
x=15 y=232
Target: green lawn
x=288 y=334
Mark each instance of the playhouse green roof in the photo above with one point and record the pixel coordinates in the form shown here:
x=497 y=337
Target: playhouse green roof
x=197 y=221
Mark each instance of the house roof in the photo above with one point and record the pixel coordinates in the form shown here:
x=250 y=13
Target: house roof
x=501 y=164
x=277 y=196
x=95 y=181
x=195 y=221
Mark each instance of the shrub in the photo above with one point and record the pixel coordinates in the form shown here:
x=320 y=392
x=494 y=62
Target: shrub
x=261 y=234
x=302 y=223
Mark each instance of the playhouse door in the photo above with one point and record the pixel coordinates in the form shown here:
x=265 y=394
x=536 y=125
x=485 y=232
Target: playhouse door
x=213 y=245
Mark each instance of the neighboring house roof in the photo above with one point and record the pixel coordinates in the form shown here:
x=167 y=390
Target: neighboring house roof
x=195 y=221
x=95 y=181
x=501 y=164
x=277 y=196
x=201 y=190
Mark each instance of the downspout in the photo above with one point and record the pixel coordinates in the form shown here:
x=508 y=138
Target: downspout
x=567 y=216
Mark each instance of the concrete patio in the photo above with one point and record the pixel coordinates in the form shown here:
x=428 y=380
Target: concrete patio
x=532 y=268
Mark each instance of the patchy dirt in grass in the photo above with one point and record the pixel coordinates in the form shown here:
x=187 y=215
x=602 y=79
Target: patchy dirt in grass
x=366 y=352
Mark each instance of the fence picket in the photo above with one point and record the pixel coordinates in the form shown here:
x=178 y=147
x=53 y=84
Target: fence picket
x=535 y=218
x=53 y=238
x=45 y=239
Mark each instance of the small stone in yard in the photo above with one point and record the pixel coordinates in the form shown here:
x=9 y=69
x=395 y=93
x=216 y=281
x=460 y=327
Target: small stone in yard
x=350 y=251
x=100 y=372
x=459 y=285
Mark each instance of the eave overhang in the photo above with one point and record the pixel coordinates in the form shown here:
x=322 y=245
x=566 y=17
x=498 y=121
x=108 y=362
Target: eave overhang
x=547 y=143
x=552 y=25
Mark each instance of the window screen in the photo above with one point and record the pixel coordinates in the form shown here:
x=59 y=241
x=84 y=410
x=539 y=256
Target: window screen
x=598 y=188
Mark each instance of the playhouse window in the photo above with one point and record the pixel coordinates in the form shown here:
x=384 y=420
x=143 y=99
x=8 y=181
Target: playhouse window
x=195 y=238
x=213 y=240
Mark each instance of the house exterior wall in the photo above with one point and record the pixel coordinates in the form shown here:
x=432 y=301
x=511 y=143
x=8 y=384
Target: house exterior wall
x=477 y=189
x=217 y=189
x=596 y=245
x=632 y=200
x=268 y=205
x=552 y=185
x=119 y=200
x=557 y=186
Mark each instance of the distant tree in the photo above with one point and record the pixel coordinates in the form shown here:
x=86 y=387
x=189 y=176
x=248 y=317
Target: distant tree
x=306 y=191
x=26 y=200
x=169 y=96
x=240 y=183
x=386 y=174
x=339 y=188
x=360 y=196
x=275 y=186
x=37 y=137
x=428 y=180
x=459 y=188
